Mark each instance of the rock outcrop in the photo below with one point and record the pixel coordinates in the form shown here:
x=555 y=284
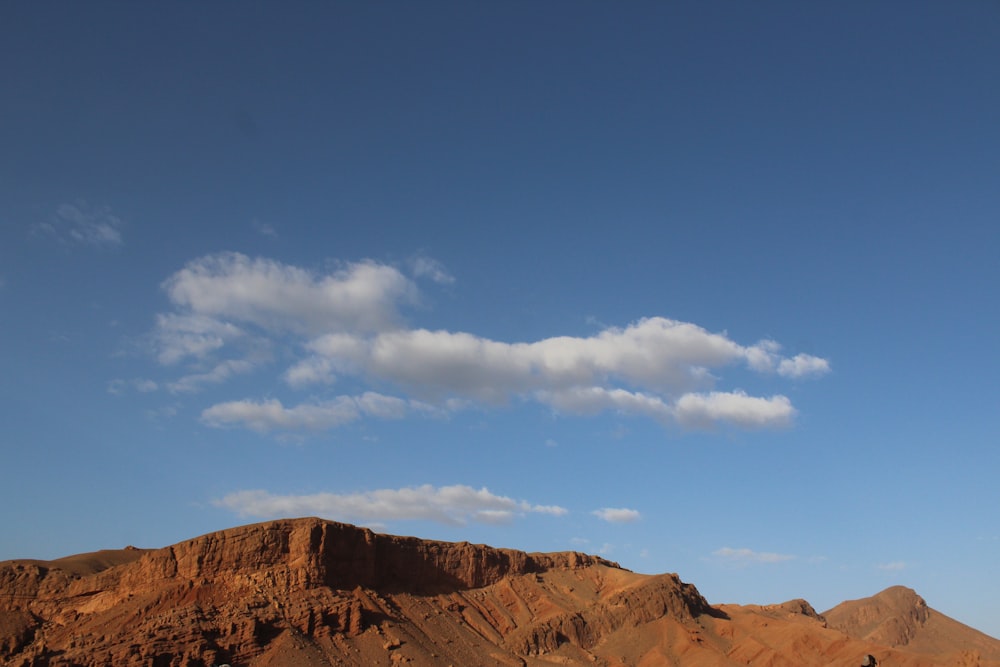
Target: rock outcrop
x=899 y=618
x=308 y=592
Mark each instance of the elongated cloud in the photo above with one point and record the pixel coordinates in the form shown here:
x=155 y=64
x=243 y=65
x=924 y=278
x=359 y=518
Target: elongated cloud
x=348 y=323
x=83 y=224
x=455 y=505
x=701 y=410
x=894 y=566
x=746 y=556
x=802 y=365
x=617 y=515
x=359 y=297
x=271 y=415
x=655 y=353
x=218 y=374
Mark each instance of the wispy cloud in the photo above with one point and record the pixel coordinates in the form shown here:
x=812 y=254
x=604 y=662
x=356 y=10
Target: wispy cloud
x=141 y=385
x=264 y=229
x=456 y=504
x=426 y=267
x=218 y=374
x=748 y=556
x=894 y=566
x=349 y=322
x=80 y=223
x=617 y=515
x=271 y=415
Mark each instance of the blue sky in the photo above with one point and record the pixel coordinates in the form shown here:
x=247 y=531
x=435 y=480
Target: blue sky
x=707 y=288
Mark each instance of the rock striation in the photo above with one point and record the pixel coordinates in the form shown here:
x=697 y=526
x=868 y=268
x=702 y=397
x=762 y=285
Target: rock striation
x=309 y=592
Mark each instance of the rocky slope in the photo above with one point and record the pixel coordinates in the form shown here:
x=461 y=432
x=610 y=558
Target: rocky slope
x=309 y=592
x=899 y=617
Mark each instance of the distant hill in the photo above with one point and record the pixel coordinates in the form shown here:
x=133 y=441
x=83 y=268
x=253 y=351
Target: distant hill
x=898 y=617
x=310 y=593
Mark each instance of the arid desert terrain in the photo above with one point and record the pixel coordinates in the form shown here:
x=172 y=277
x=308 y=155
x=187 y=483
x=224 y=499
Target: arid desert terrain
x=309 y=592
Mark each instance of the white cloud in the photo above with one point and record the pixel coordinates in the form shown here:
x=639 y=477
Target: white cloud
x=448 y=504
x=263 y=228
x=180 y=336
x=617 y=515
x=802 y=365
x=656 y=354
x=164 y=412
x=764 y=357
x=310 y=371
x=144 y=386
x=894 y=566
x=691 y=410
x=141 y=385
x=701 y=410
x=360 y=297
x=271 y=415
x=348 y=323
x=425 y=267
x=746 y=556
x=219 y=373
x=83 y=224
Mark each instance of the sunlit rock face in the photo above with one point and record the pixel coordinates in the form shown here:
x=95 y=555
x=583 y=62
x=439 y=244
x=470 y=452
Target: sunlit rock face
x=313 y=592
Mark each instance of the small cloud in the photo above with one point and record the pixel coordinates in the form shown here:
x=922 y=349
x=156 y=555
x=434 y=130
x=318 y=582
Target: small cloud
x=144 y=386
x=554 y=510
x=220 y=373
x=702 y=410
x=165 y=412
x=264 y=229
x=746 y=556
x=606 y=549
x=454 y=505
x=310 y=371
x=425 y=267
x=617 y=515
x=551 y=443
x=644 y=553
x=802 y=365
x=141 y=385
x=83 y=224
x=894 y=566
x=270 y=415
x=765 y=357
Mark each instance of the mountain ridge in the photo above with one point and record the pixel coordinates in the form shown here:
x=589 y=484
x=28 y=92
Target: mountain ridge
x=313 y=592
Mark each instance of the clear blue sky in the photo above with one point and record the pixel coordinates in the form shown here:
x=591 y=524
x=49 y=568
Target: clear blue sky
x=707 y=287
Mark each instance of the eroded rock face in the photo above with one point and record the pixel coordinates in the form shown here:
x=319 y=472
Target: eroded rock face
x=308 y=592
x=893 y=617
x=225 y=597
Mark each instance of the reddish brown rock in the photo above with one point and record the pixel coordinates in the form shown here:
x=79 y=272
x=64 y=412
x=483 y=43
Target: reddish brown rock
x=309 y=592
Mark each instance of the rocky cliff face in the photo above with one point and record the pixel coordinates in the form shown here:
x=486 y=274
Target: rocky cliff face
x=308 y=592
x=893 y=617
x=225 y=597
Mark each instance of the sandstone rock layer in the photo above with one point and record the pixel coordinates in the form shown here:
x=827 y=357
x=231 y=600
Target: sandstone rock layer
x=309 y=592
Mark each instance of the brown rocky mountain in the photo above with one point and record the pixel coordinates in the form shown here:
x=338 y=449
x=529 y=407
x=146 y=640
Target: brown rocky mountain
x=899 y=617
x=308 y=592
